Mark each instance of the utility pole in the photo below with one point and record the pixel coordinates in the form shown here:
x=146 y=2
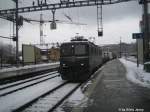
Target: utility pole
x=17 y=43
x=146 y=39
x=120 y=47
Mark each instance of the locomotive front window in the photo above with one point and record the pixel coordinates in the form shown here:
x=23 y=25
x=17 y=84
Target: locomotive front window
x=66 y=50
x=80 y=50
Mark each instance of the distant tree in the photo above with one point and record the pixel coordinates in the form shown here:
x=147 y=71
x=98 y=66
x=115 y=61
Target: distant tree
x=7 y=53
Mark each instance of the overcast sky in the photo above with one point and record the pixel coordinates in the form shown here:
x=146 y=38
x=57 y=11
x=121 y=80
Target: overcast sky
x=119 y=20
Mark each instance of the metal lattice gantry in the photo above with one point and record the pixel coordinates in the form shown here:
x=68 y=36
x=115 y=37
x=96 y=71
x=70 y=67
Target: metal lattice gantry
x=61 y=5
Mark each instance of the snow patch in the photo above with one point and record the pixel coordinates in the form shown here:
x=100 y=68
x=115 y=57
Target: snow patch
x=136 y=74
x=147 y=62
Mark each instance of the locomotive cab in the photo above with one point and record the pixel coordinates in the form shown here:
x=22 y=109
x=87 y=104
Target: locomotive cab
x=74 y=61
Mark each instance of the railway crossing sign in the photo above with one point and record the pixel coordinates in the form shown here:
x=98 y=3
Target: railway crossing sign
x=137 y=36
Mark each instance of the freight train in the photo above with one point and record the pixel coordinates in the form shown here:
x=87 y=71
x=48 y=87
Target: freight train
x=79 y=59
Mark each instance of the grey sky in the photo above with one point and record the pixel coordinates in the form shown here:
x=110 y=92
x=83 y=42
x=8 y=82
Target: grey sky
x=119 y=20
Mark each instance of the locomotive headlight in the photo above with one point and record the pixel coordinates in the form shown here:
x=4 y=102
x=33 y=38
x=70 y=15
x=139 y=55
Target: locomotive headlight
x=64 y=65
x=82 y=64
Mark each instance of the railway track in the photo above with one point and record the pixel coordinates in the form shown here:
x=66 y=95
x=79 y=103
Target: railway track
x=50 y=100
x=19 y=85
x=4 y=86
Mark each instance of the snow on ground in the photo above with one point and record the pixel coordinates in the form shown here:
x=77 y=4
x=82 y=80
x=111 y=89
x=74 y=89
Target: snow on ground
x=25 y=84
x=136 y=74
x=131 y=58
x=19 y=98
x=80 y=98
x=47 y=102
x=77 y=98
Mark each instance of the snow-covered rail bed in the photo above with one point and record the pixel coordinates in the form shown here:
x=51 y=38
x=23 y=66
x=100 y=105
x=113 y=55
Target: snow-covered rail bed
x=17 y=99
x=4 y=86
x=16 y=86
x=51 y=100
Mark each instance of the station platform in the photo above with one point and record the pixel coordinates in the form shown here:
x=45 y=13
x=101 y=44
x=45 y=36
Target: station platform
x=16 y=72
x=113 y=92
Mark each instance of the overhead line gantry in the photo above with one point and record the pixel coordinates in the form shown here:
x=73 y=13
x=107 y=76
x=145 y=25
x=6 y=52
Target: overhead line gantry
x=61 y=5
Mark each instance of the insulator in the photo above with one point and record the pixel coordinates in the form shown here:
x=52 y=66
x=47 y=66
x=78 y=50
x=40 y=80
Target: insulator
x=53 y=25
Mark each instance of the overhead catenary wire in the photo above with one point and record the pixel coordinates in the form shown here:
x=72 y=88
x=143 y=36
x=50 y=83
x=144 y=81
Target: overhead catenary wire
x=5 y=37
